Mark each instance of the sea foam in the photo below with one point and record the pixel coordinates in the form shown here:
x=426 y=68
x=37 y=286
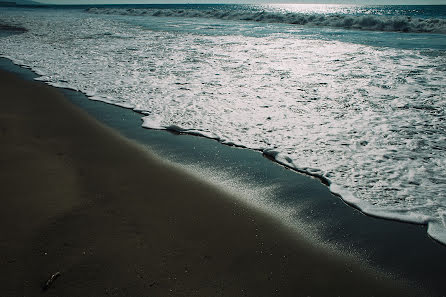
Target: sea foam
x=368 y=121
x=359 y=22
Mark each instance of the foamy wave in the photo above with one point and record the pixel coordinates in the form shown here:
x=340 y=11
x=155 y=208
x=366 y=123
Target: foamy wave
x=436 y=225
x=414 y=215
x=359 y=22
x=365 y=120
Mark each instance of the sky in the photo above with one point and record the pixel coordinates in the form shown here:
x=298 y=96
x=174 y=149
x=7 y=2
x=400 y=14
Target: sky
x=369 y=2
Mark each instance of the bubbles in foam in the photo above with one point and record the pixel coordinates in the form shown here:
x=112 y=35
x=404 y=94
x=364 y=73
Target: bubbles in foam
x=369 y=120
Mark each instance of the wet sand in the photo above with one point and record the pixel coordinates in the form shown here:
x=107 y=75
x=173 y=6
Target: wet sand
x=80 y=200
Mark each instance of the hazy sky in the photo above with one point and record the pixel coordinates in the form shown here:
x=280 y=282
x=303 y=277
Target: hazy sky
x=370 y=2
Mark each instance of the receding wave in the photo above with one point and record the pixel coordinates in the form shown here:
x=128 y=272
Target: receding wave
x=359 y=22
x=368 y=121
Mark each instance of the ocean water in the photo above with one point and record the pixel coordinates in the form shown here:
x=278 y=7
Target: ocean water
x=355 y=95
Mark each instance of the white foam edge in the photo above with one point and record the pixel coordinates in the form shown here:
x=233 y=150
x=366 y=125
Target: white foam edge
x=152 y=122
x=112 y=102
x=436 y=228
x=65 y=85
x=259 y=198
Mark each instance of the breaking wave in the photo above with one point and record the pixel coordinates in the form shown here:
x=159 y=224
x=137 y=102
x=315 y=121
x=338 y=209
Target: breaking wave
x=359 y=22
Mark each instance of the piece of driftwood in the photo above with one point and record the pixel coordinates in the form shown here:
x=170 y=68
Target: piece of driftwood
x=50 y=281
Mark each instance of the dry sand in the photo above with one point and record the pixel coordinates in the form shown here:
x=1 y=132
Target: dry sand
x=113 y=220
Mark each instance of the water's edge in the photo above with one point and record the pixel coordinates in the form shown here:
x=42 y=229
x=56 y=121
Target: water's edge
x=290 y=154
x=434 y=229
x=390 y=245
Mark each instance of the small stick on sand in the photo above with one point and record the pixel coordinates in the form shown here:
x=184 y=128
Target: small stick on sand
x=50 y=281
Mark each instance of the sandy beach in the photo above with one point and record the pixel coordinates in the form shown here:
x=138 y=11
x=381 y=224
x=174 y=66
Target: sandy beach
x=106 y=217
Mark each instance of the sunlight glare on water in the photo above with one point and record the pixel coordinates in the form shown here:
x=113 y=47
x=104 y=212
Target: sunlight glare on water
x=313 y=8
x=370 y=119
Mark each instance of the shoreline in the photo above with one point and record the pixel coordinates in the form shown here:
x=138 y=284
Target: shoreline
x=345 y=195
x=400 y=250
x=348 y=198
x=66 y=210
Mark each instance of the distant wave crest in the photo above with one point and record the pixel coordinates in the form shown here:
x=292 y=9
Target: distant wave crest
x=359 y=22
